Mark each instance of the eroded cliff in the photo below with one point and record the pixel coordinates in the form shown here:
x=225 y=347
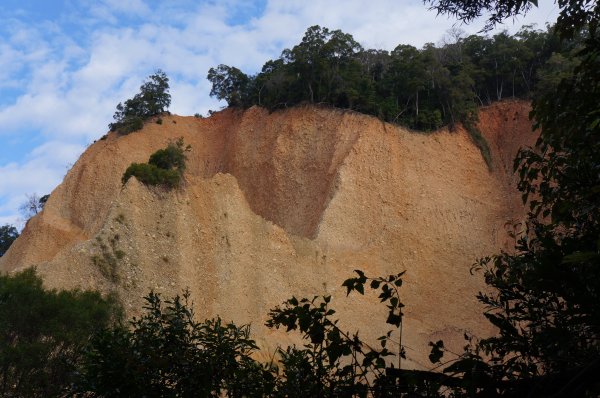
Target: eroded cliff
x=289 y=203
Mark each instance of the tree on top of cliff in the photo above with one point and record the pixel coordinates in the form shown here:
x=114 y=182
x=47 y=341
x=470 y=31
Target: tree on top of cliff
x=229 y=84
x=153 y=99
x=419 y=88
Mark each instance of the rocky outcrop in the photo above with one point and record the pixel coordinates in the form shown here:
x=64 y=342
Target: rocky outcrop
x=289 y=203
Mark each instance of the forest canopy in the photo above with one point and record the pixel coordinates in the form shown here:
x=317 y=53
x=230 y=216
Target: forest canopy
x=419 y=88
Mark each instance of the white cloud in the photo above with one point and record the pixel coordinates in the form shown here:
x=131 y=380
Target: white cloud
x=40 y=173
x=137 y=7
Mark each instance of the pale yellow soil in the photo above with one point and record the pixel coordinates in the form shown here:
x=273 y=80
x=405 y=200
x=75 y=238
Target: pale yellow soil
x=290 y=203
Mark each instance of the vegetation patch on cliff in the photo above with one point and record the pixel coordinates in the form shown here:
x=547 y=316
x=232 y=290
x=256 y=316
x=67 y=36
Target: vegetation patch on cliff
x=165 y=166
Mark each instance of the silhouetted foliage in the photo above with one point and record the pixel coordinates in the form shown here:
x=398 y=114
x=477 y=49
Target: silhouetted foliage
x=573 y=15
x=43 y=332
x=333 y=362
x=8 y=234
x=468 y=11
x=153 y=99
x=167 y=353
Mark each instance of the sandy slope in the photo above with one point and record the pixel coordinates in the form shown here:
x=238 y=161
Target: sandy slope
x=289 y=203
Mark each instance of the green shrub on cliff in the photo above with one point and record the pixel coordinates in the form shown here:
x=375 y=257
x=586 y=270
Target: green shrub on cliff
x=171 y=157
x=149 y=174
x=165 y=166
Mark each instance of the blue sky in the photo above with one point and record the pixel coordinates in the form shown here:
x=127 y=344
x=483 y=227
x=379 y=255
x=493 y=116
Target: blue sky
x=64 y=65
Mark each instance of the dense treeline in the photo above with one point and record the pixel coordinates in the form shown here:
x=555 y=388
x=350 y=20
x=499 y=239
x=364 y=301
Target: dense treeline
x=419 y=88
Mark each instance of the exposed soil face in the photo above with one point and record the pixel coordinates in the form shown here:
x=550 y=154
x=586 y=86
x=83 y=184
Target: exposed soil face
x=506 y=127
x=289 y=203
x=287 y=170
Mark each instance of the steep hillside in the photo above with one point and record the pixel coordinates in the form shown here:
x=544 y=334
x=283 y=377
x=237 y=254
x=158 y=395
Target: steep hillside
x=289 y=203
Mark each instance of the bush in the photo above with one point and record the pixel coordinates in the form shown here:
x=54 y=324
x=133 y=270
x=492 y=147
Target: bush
x=43 y=333
x=165 y=166
x=150 y=174
x=172 y=157
x=166 y=353
x=128 y=124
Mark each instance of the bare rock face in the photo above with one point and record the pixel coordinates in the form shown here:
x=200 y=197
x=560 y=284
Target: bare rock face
x=289 y=203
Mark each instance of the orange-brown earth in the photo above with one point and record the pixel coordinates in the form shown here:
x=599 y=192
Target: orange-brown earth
x=290 y=203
